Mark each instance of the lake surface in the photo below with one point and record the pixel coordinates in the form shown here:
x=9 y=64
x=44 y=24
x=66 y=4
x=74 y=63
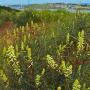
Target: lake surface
x=82 y=11
x=70 y=10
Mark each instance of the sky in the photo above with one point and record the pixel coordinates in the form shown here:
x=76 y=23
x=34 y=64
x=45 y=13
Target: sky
x=10 y=2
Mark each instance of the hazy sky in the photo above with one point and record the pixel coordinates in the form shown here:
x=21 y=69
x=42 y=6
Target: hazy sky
x=5 y=2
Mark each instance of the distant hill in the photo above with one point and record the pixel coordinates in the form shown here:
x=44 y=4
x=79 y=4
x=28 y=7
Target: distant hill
x=47 y=6
x=7 y=8
x=60 y=6
x=41 y=6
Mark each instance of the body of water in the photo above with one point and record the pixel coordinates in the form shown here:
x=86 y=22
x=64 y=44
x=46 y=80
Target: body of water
x=82 y=11
x=70 y=10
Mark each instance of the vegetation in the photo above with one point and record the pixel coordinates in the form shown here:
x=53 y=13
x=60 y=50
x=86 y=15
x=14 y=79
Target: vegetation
x=6 y=14
x=45 y=50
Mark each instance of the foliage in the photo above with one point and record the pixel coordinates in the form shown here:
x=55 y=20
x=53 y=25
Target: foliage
x=48 y=50
x=76 y=85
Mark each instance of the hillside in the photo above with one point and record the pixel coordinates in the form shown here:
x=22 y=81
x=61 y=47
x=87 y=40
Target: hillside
x=7 y=8
x=44 y=50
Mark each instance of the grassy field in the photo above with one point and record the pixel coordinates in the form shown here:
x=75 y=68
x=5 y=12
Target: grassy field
x=44 y=50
